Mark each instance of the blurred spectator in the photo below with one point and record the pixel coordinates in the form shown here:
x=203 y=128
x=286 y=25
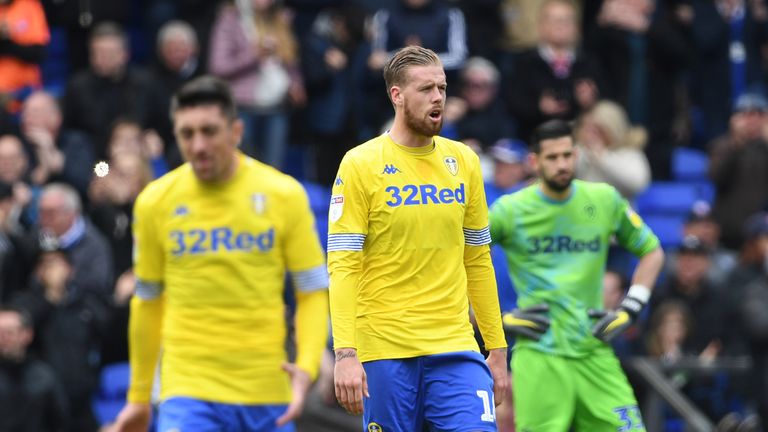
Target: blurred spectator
x=62 y=222
x=477 y=113
x=79 y=18
x=747 y=308
x=485 y=27
x=109 y=89
x=730 y=38
x=111 y=211
x=14 y=166
x=70 y=320
x=254 y=49
x=16 y=249
x=61 y=155
x=611 y=150
x=520 y=19
x=739 y=168
x=428 y=23
x=670 y=326
x=127 y=137
x=643 y=49
x=178 y=62
x=333 y=65
x=111 y=204
x=687 y=283
x=31 y=398
x=510 y=168
x=703 y=226
x=554 y=79
x=23 y=38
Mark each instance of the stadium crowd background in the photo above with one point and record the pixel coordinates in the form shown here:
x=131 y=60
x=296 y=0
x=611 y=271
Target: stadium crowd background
x=667 y=97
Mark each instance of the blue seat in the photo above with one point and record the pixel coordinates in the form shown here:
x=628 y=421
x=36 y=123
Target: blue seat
x=109 y=398
x=689 y=164
x=319 y=197
x=55 y=67
x=672 y=198
x=669 y=229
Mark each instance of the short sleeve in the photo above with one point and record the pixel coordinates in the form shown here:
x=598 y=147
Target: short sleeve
x=631 y=232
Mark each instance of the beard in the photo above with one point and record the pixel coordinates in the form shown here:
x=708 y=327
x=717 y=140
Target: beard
x=420 y=125
x=558 y=185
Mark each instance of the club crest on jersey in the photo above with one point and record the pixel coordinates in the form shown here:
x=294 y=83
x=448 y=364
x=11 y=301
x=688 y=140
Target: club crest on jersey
x=452 y=164
x=259 y=202
x=337 y=208
x=374 y=427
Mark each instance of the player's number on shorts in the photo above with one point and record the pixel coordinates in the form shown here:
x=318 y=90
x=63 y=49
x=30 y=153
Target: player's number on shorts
x=489 y=408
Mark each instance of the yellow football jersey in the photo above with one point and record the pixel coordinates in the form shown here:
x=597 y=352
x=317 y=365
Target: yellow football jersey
x=401 y=223
x=217 y=254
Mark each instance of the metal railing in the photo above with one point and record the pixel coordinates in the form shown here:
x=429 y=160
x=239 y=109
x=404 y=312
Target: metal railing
x=656 y=374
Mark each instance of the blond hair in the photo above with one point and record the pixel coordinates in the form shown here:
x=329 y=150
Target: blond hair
x=396 y=68
x=611 y=118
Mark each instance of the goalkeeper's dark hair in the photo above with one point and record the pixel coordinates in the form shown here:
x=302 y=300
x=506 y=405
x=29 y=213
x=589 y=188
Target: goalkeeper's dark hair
x=552 y=129
x=205 y=90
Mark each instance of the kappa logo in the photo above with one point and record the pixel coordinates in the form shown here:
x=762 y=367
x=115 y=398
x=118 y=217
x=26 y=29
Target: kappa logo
x=338 y=181
x=390 y=169
x=181 y=210
x=374 y=427
x=452 y=164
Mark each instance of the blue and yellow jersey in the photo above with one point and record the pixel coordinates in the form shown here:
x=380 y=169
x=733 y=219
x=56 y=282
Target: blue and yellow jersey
x=216 y=255
x=557 y=251
x=407 y=247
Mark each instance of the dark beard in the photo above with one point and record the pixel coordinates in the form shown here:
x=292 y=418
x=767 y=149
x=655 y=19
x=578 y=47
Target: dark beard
x=422 y=127
x=558 y=187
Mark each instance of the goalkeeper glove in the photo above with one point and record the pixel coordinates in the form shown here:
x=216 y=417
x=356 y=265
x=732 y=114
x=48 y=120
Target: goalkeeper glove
x=530 y=322
x=611 y=323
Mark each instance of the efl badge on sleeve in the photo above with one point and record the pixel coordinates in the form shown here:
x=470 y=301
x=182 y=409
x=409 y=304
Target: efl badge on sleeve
x=337 y=208
x=451 y=164
x=634 y=218
x=259 y=201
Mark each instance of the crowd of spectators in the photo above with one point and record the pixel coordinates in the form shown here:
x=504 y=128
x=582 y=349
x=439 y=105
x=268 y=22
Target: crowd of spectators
x=639 y=78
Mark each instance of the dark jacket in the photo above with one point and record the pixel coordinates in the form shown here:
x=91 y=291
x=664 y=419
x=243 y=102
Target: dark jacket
x=31 y=398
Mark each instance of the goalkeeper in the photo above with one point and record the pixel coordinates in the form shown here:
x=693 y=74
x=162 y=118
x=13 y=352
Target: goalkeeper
x=556 y=234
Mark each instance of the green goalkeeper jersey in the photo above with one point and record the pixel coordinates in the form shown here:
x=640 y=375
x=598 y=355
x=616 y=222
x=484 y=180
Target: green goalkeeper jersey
x=557 y=252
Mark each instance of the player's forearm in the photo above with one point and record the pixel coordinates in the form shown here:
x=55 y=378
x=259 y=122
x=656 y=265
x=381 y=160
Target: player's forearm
x=144 y=336
x=311 y=330
x=481 y=290
x=648 y=268
x=344 y=269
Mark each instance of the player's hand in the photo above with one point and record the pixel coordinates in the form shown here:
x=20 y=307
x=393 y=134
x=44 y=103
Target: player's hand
x=613 y=322
x=610 y=323
x=530 y=322
x=300 y=383
x=350 y=381
x=497 y=363
x=134 y=417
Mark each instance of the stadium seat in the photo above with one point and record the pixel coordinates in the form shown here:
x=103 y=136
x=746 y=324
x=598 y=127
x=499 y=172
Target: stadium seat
x=669 y=229
x=689 y=164
x=55 y=67
x=110 y=395
x=319 y=197
x=670 y=198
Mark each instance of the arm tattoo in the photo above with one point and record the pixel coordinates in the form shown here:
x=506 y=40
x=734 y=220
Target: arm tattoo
x=345 y=354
